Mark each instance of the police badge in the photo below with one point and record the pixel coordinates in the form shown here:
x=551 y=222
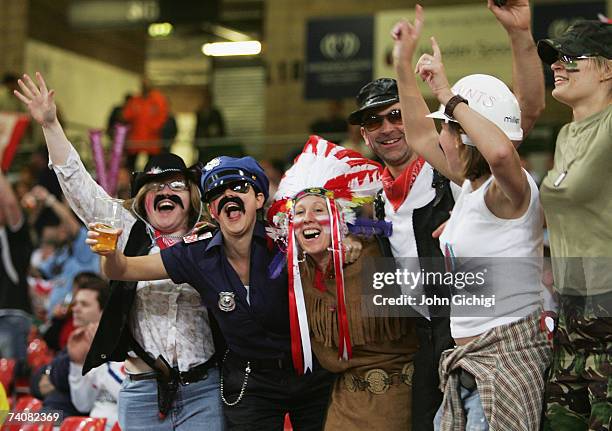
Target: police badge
x=226 y=301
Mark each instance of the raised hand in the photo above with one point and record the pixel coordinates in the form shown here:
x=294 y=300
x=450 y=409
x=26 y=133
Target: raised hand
x=80 y=341
x=431 y=70
x=406 y=37
x=515 y=15
x=38 y=99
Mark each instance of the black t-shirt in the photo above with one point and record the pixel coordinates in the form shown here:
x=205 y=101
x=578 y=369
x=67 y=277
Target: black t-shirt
x=15 y=251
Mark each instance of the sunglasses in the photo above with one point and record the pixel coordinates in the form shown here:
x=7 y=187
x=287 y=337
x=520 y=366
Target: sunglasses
x=241 y=187
x=374 y=121
x=175 y=186
x=569 y=62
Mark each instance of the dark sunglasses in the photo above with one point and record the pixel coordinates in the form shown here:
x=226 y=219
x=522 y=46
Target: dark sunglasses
x=372 y=122
x=238 y=187
x=569 y=62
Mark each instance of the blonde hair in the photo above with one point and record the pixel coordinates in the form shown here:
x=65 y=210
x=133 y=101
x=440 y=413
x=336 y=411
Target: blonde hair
x=602 y=64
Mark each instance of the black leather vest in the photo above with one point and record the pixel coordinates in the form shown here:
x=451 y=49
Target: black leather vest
x=113 y=339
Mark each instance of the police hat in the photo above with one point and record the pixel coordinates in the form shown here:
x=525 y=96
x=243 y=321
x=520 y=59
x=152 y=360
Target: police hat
x=161 y=166
x=588 y=38
x=376 y=94
x=223 y=170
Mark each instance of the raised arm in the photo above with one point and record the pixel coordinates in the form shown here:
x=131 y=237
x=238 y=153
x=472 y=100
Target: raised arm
x=527 y=73
x=420 y=131
x=496 y=148
x=117 y=266
x=64 y=213
x=78 y=186
x=41 y=104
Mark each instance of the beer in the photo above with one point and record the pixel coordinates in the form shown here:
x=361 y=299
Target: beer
x=107 y=238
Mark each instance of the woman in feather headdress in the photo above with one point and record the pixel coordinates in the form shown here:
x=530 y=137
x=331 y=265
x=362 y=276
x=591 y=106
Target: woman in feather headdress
x=312 y=213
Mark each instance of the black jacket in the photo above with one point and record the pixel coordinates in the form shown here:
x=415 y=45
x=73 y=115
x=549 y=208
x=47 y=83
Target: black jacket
x=113 y=338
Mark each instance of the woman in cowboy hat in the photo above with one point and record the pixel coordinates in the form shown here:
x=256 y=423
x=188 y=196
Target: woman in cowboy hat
x=144 y=323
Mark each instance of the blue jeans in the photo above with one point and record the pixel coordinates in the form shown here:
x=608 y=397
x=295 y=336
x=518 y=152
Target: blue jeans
x=476 y=420
x=197 y=406
x=14 y=330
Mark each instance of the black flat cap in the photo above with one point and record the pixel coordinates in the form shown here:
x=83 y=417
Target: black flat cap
x=376 y=94
x=590 y=38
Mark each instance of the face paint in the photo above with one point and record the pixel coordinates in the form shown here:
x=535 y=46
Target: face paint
x=149 y=202
x=571 y=63
x=321 y=219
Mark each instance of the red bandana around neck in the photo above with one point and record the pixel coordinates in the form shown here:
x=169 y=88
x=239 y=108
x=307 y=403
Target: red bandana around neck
x=397 y=189
x=164 y=241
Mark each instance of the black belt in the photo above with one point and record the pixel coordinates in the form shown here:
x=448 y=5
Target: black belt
x=192 y=375
x=262 y=364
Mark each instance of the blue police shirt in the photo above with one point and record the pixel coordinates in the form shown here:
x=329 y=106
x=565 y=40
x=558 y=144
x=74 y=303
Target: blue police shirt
x=256 y=331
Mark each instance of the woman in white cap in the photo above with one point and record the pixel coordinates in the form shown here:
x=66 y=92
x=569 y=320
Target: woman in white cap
x=577 y=199
x=494 y=377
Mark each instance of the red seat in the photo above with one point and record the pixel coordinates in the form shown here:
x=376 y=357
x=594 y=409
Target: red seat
x=7 y=372
x=24 y=404
x=29 y=403
x=35 y=427
x=38 y=354
x=83 y=423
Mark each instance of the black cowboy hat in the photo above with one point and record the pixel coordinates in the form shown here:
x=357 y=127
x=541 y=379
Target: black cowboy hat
x=161 y=166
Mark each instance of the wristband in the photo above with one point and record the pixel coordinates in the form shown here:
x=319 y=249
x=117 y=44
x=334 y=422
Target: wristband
x=452 y=104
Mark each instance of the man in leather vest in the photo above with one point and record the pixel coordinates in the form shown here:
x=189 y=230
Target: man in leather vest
x=416 y=200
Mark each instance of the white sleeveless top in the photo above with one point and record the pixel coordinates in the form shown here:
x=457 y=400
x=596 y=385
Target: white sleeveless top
x=474 y=231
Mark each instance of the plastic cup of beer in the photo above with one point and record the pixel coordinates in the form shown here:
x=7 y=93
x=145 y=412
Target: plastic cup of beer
x=107 y=221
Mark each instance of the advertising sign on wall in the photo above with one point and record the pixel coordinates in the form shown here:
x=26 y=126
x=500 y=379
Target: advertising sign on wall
x=338 y=56
x=469 y=36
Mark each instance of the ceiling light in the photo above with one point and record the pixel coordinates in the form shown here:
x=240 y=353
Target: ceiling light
x=220 y=49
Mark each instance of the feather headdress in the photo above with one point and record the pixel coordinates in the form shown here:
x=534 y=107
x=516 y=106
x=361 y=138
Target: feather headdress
x=345 y=179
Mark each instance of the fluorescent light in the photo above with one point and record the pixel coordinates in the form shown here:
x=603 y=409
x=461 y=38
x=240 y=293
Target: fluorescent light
x=220 y=49
x=160 y=29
